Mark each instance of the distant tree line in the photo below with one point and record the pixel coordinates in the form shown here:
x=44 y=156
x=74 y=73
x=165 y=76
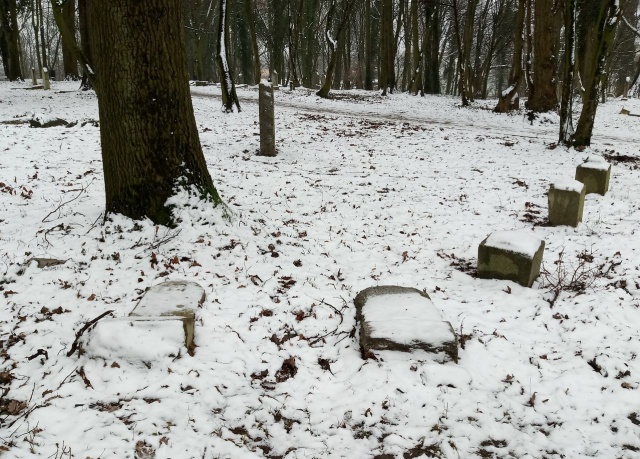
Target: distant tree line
x=473 y=49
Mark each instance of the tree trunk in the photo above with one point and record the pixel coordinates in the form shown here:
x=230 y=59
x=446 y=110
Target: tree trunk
x=150 y=144
x=544 y=97
x=69 y=62
x=228 y=87
x=85 y=43
x=508 y=97
x=10 y=35
x=368 y=47
x=566 y=103
x=602 y=19
x=254 y=40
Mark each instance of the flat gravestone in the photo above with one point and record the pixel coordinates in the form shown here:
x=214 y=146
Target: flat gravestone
x=136 y=340
x=595 y=173
x=175 y=299
x=566 y=202
x=403 y=319
x=511 y=255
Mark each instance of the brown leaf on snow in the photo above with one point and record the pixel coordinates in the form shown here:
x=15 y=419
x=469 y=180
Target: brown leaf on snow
x=91 y=297
x=288 y=370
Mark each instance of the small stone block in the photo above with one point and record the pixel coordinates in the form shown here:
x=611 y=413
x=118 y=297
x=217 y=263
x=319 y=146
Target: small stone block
x=566 y=202
x=178 y=299
x=403 y=319
x=595 y=173
x=510 y=255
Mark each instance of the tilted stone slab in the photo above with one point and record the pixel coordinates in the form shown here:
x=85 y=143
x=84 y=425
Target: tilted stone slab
x=566 y=202
x=511 y=255
x=178 y=299
x=595 y=173
x=403 y=319
x=137 y=340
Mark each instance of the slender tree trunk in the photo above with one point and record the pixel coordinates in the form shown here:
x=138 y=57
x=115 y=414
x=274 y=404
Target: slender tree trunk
x=461 y=54
x=150 y=144
x=368 y=47
x=416 y=73
x=229 y=97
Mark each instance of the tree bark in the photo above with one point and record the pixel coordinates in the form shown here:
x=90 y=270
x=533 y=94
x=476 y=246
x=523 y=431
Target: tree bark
x=228 y=87
x=10 y=34
x=602 y=19
x=150 y=144
x=508 y=97
x=544 y=97
x=566 y=103
x=69 y=62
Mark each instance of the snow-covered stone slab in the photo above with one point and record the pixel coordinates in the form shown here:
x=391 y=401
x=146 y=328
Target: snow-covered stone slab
x=566 y=202
x=136 y=339
x=178 y=299
x=511 y=255
x=403 y=319
x=595 y=173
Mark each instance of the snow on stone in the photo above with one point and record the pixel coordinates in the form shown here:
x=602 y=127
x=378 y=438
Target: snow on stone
x=565 y=184
x=596 y=162
x=405 y=318
x=519 y=241
x=135 y=340
x=169 y=299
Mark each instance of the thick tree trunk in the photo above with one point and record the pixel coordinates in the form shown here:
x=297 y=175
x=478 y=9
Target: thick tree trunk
x=10 y=34
x=150 y=144
x=545 y=96
x=566 y=103
x=248 y=8
x=85 y=43
x=69 y=62
x=509 y=97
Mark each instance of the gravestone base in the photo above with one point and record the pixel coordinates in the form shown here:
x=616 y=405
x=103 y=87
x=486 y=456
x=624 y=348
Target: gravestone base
x=595 y=174
x=566 y=203
x=510 y=255
x=403 y=319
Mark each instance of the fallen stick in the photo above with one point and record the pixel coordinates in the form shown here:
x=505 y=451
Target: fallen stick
x=80 y=332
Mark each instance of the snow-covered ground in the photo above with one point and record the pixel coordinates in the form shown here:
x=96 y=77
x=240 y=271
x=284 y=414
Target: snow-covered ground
x=365 y=191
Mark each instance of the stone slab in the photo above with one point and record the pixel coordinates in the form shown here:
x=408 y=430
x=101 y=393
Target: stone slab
x=403 y=319
x=136 y=339
x=502 y=256
x=595 y=174
x=178 y=299
x=566 y=203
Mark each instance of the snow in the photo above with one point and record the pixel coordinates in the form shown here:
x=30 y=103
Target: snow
x=169 y=298
x=521 y=241
x=365 y=191
x=405 y=318
x=135 y=340
x=565 y=184
x=596 y=162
